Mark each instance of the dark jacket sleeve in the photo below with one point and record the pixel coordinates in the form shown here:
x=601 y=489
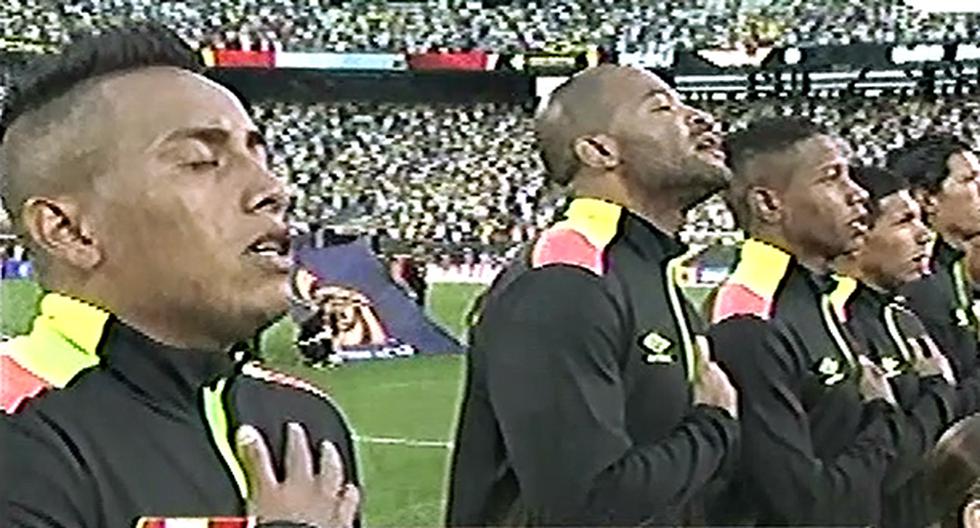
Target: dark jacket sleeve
x=925 y=420
x=929 y=405
x=788 y=481
x=552 y=350
x=42 y=484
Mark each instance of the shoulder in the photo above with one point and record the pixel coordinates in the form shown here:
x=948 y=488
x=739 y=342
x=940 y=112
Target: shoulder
x=582 y=239
x=76 y=401
x=17 y=384
x=260 y=387
x=734 y=299
x=569 y=292
x=753 y=285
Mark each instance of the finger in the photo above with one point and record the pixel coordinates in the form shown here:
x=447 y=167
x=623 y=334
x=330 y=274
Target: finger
x=869 y=367
x=331 y=469
x=918 y=354
x=865 y=362
x=299 y=461
x=702 y=360
x=255 y=459
x=349 y=502
x=932 y=347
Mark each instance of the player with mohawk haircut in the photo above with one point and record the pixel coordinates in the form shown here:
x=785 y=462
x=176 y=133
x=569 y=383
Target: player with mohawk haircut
x=143 y=189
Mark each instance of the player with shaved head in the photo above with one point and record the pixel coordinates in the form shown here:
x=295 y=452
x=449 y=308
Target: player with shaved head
x=590 y=398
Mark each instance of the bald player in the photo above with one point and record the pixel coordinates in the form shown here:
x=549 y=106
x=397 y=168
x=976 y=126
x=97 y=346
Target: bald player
x=159 y=239
x=590 y=397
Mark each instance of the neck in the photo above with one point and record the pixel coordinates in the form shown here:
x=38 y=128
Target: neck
x=850 y=268
x=815 y=263
x=953 y=239
x=151 y=319
x=665 y=210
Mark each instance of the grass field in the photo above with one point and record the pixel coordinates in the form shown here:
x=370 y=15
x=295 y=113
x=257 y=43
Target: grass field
x=414 y=399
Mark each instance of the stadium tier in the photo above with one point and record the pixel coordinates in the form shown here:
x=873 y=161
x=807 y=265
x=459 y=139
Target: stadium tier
x=508 y=26
x=453 y=175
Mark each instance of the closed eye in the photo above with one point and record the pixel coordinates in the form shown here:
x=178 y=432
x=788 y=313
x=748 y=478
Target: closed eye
x=201 y=165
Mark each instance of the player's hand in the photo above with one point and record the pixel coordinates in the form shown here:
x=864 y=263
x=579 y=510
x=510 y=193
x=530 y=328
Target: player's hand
x=874 y=385
x=711 y=384
x=321 y=500
x=932 y=364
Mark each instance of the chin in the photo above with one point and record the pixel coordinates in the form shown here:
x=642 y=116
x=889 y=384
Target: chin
x=271 y=302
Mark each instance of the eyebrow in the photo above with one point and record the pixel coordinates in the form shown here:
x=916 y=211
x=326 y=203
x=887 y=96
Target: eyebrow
x=836 y=162
x=653 y=92
x=213 y=135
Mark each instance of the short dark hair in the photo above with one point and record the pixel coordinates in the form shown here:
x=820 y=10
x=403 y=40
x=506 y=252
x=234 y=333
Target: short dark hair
x=923 y=161
x=765 y=136
x=113 y=51
x=53 y=82
x=768 y=135
x=879 y=183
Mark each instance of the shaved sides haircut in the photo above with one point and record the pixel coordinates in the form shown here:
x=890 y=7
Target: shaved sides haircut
x=577 y=108
x=52 y=102
x=762 y=138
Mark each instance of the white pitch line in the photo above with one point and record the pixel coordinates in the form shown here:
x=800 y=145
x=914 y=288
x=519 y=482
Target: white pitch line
x=402 y=441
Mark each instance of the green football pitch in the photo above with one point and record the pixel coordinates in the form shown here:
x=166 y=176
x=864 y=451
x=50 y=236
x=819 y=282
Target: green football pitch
x=403 y=411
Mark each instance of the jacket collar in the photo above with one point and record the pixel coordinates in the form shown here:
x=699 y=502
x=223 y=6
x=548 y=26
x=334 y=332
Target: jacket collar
x=70 y=335
x=945 y=255
x=762 y=267
x=165 y=375
x=63 y=341
x=650 y=242
x=874 y=298
x=601 y=221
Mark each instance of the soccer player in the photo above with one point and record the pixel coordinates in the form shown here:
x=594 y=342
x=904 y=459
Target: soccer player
x=819 y=424
x=892 y=254
x=158 y=235
x=945 y=178
x=588 y=399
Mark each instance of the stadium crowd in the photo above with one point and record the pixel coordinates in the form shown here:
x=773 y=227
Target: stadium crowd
x=424 y=179
x=448 y=177
x=621 y=26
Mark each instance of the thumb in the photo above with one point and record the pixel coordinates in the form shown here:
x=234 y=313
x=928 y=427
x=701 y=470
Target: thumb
x=347 y=509
x=918 y=354
x=702 y=356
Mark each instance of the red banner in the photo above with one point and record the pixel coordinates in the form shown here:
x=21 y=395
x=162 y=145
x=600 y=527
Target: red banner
x=243 y=59
x=464 y=60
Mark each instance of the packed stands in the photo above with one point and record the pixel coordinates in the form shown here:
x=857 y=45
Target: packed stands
x=619 y=26
x=465 y=180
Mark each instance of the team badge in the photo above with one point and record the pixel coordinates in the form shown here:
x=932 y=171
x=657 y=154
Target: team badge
x=892 y=366
x=831 y=372
x=961 y=317
x=658 y=346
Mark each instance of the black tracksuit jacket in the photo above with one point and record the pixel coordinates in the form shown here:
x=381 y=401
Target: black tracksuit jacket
x=813 y=452
x=578 y=406
x=885 y=326
x=943 y=302
x=149 y=432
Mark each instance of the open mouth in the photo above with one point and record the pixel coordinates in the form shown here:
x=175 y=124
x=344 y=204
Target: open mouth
x=272 y=251
x=859 y=226
x=711 y=144
x=921 y=259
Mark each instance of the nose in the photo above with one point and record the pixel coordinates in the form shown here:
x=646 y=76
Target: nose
x=699 y=120
x=268 y=194
x=856 y=195
x=922 y=234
